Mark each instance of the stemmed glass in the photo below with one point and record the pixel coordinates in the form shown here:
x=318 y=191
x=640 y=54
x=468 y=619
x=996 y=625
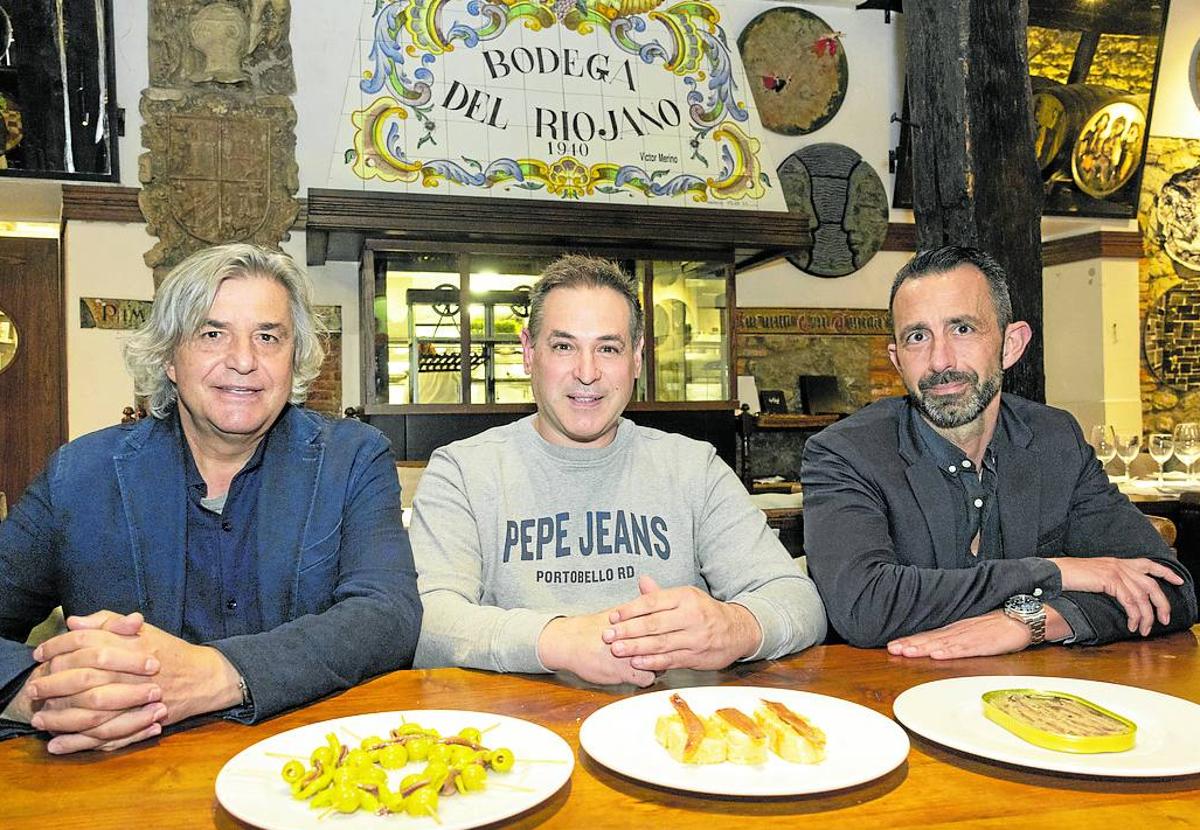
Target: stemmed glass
x=1162 y=447
x=1187 y=444
x=1128 y=445
x=1104 y=443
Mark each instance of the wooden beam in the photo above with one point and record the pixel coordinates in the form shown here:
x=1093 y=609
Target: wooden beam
x=101 y=204
x=975 y=176
x=540 y=221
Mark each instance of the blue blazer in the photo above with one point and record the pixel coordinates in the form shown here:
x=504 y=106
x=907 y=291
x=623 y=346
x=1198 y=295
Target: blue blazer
x=104 y=527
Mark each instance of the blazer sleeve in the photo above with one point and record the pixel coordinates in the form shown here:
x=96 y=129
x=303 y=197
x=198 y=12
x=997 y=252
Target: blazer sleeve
x=1103 y=522
x=27 y=591
x=872 y=593
x=373 y=623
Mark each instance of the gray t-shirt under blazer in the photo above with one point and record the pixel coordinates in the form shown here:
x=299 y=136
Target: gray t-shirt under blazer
x=510 y=531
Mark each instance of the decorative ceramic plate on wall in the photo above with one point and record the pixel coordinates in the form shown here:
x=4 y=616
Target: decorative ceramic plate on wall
x=797 y=68
x=846 y=205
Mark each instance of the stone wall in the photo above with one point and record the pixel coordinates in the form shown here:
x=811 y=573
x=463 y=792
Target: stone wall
x=850 y=344
x=1122 y=62
x=1169 y=299
x=325 y=395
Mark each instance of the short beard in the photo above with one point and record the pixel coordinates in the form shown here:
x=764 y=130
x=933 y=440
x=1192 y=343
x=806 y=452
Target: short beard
x=953 y=411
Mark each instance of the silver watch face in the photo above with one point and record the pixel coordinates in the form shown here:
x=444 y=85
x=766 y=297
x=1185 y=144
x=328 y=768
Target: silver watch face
x=1023 y=604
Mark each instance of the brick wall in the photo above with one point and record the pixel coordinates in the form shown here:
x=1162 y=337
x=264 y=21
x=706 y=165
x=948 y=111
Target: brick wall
x=325 y=395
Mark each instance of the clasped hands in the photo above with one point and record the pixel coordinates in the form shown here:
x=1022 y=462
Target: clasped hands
x=114 y=679
x=1131 y=582
x=659 y=630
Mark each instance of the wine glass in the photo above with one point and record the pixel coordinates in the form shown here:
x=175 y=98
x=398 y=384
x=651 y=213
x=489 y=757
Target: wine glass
x=1162 y=447
x=1187 y=444
x=1128 y=445
x=1104 y=443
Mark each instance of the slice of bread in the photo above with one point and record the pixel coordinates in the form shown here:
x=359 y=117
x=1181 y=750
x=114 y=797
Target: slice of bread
x=791 y=736
x=745 y=740
x=671 y=733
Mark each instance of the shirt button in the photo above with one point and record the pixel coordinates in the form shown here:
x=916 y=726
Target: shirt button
x=967 y=463
x=979 y=502
x=952 y=468
x=226 y=525
x=231 y=605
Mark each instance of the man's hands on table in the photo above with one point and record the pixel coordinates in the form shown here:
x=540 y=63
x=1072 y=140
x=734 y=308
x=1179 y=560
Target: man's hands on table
x=1131 y=582
x=680 y=628
x=113 y=679
x=662 y=629
x=575 y=644
x=982 y=636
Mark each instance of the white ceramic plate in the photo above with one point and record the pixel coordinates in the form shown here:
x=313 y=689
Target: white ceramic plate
x=861 y=744
x=249 y=785
x=950 y=712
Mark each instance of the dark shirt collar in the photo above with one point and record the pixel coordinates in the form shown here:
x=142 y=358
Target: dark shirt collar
x=948 y=456
x=191 y=472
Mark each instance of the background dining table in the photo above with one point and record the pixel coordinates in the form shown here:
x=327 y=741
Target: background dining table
x=169 y=782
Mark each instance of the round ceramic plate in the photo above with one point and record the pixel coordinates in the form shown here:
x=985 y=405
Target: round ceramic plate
x=797 y=69
x=950 y=712
x=861 y=744
x=249 y=785
x=844 y=202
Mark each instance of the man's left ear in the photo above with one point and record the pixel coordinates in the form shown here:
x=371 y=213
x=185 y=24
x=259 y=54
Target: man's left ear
x=1016 y=339
x=639 y=355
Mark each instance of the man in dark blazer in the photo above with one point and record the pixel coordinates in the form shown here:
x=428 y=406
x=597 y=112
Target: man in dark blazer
x=233 y=554
x=957 y=521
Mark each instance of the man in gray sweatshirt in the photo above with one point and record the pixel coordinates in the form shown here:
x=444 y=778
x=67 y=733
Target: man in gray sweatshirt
x=575 y=540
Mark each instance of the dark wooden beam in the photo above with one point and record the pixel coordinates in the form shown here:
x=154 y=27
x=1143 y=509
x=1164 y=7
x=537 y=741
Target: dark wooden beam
x=101 y=204
x=571 y=225
x=1094 y=245
x=975 y=175
x=1118 y=17
x=1085 y=53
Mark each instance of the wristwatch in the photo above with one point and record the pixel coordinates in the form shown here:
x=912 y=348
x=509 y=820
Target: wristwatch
x=1028 y=609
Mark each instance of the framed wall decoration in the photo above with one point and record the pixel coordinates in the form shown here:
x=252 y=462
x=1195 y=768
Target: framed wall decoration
x=58 y=115
x=1093 y=70
x=796 y=66
x=845 y=203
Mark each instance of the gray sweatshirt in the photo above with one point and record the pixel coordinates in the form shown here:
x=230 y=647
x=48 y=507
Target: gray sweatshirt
x=510 y=531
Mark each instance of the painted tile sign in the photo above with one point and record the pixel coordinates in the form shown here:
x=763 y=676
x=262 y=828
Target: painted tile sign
x=604 y=100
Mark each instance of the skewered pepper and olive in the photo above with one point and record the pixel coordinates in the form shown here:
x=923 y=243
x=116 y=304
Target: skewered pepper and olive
x=345 y=779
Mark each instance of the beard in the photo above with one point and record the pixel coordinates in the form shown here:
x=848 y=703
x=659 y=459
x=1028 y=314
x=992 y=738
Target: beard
x=952 y=411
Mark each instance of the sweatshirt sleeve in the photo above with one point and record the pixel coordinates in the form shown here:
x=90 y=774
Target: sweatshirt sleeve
x=459 y=630
x=742 y=561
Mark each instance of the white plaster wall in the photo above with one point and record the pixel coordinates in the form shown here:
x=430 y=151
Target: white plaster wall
x=100 y=259
x=1073 y=316
x=1120 y=339
x=1091 y=317
x=1175 y=111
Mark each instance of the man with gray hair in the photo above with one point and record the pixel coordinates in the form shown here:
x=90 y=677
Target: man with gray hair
x=958 y=521
x=574 y=540
x=233 y=554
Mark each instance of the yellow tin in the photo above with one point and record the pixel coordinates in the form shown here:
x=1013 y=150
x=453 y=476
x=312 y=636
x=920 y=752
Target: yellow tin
x=1059 y=721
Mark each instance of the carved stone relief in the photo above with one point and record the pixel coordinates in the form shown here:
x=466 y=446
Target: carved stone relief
x=193 y=41
x=219 y=129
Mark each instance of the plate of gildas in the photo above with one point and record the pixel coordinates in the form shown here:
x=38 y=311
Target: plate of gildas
x=744 y=741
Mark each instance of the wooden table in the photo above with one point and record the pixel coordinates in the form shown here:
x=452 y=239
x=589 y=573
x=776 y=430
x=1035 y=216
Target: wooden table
x=168 y=783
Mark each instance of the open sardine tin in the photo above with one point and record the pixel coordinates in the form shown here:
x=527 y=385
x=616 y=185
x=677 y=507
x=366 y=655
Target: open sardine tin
x=1059 y=721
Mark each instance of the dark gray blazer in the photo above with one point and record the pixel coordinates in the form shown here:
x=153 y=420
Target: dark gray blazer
x=879 y=526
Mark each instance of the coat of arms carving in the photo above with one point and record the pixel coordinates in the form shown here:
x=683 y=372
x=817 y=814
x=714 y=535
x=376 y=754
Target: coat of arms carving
x=219 y=129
